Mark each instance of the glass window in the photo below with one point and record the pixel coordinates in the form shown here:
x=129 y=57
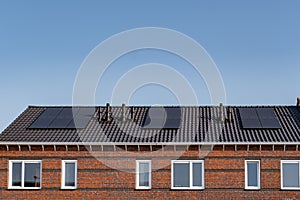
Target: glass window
x=181 y=175
x=197 y=174
x=16 y=174
x=290 y=174
x=69 y=174
x=25 y=174
x=188 y=174
x=143 y=174
x=32 y=175
x=252 y=174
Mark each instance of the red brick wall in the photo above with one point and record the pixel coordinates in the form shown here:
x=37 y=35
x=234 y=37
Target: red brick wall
x=97 y=178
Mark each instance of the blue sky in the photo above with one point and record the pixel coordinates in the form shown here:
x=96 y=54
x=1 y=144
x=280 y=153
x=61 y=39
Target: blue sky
x=255 y=44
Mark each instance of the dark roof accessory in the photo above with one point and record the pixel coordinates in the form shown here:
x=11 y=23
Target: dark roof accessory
x=259 y=118
x=123 y=112
x=162 y=118
x=132 y=112
x=63 y=118
x=108 y=117
x=229 y=115
x=221 y=112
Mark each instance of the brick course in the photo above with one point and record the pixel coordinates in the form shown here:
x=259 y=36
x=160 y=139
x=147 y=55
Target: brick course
x=97 y=177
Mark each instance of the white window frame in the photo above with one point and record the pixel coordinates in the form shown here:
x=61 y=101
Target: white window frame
x=137 y=186
x=258 y=175
x=63 y=174
x=191 y=187
x=281 y=174
x=23 y=162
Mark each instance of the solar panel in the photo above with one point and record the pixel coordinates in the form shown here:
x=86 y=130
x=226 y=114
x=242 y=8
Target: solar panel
x=86 y=111
x=82 y=118
x=249 y=118
x=79 y=122
x=172 y=123
x=46 y=118
x=162 y=118
x=268 y=118
x=266 y=113
x=248 y=113
x=60 y=118
x=251 y=123
x=259 y=118
x=270 y=123
x=60 y=123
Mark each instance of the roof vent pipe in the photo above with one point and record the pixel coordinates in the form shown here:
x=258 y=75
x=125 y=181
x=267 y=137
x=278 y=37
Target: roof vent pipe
x=99 y=114
x=132 y=113
x=108 y=113
x=229 y=117
x=221 y=112
x=123 y=112
x=298 y=101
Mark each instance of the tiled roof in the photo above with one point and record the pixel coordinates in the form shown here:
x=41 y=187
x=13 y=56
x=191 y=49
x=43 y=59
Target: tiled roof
x=199 y=124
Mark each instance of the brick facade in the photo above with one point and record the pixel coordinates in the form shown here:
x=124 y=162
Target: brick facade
x=98 y=177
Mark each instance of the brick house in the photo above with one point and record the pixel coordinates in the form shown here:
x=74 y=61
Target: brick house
x=192 y=152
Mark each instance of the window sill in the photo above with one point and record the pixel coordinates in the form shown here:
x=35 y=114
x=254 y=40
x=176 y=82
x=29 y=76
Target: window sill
x=24 y=188
x=143 y=188
x=252 y=189
x=186 y=188
x=290 y=188
x=68 y=188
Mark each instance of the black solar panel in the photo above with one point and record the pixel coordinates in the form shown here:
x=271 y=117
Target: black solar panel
x=46 y=118
x=162 y=118
x=82 y=118
x=249 y=118
x=259 y=118
x=268 y=118
x=60 y=118
x=79 y=122
x=248 y=113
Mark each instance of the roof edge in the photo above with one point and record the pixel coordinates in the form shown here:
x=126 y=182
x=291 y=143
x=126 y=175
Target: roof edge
x=154 y=143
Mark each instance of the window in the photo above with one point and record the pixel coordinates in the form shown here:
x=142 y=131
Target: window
x=290 y=174
x=252 y=174
x=187 y=174
x=69 y=174
x=25 y=174
x=143 y=174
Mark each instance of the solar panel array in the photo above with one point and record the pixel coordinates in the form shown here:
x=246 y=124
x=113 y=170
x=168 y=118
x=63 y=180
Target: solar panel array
x=259 y=118
x=63 y=118
x=162 y=118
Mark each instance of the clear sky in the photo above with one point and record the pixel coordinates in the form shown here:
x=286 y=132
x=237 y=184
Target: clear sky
x=255 y=44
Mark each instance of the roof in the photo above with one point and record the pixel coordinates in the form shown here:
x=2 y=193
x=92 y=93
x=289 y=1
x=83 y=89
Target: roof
x=199 y=124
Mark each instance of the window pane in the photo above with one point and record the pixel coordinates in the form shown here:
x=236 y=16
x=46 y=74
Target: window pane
x=181 y=175
x=70 y=174
x=144 y=174
x=252 y=175
x=32 y=175
x=290 y=174
x=16 y=174
x=197 y=174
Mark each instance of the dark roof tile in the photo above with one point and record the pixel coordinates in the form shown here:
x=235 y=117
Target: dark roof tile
x=199 y=124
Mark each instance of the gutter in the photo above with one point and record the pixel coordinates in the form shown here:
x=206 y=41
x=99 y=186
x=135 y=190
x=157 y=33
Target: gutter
x=150 y=143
